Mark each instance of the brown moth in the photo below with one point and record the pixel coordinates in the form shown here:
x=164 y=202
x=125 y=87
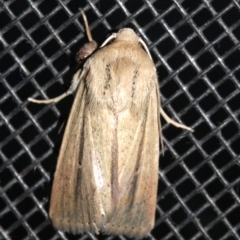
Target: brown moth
x=107 y=172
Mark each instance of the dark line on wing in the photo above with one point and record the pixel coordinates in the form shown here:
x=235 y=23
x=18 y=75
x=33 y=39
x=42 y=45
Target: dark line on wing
x=108 y=78
x=139 y=157
x=135 y=75
x=78 y=185
x=114 y=170
x=80 y=158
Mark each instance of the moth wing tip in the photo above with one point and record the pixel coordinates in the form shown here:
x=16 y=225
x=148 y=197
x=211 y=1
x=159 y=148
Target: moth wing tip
x=136 y=233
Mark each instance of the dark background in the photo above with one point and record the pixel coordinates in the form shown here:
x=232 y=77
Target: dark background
x=195 y=46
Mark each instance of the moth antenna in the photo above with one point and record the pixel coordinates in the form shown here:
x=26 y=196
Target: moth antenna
x=89 y=35
x=145 y=47
x=108 y=39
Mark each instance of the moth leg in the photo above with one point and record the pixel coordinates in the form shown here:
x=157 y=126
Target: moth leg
x=76 y=79
x=145 y=47
x=174 y=123
x=111 y=37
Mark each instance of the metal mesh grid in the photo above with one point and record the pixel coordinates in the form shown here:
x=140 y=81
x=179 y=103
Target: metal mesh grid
x=195 y=46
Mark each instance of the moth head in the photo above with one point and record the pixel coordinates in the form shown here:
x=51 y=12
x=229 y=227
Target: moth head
x=128 y=35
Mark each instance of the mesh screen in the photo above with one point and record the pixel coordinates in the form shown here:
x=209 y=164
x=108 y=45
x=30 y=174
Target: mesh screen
x=195 y=46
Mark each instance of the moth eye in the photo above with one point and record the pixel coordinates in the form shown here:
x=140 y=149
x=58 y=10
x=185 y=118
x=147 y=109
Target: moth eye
x=85 y=51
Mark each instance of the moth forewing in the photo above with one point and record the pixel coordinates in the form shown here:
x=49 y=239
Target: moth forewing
x=135 y=213
x=107 y=171
x=106 y=177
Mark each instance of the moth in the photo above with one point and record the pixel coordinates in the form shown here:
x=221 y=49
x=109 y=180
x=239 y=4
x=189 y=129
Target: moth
x=107 y=171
